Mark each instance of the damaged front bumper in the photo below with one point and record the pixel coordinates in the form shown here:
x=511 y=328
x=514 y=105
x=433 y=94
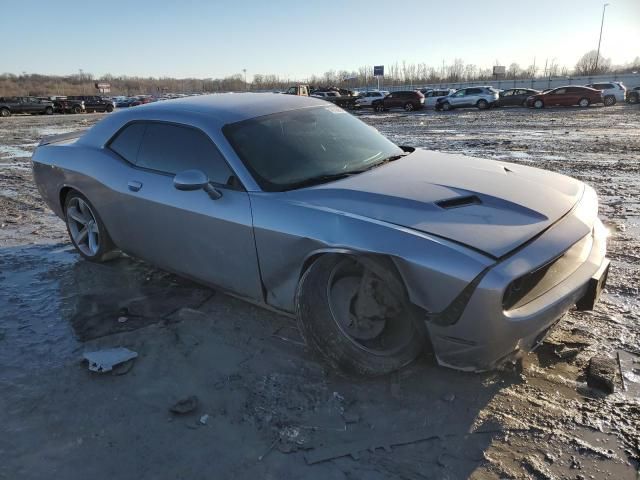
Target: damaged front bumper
x=487 y=334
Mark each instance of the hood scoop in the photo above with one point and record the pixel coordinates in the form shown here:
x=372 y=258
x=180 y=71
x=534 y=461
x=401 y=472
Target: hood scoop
x=459 y=202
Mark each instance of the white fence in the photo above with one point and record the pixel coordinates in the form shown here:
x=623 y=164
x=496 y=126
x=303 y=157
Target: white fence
x=630 y=80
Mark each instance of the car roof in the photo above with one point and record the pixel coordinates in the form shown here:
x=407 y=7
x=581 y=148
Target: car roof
x=235 y=107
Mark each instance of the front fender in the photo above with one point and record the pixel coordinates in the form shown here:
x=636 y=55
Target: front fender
x=290 y=234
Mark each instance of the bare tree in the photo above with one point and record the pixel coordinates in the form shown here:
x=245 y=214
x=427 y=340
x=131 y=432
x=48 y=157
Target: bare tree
x=592 y=64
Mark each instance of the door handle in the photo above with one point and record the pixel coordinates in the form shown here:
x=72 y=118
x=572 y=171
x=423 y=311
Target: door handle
x=134 y=186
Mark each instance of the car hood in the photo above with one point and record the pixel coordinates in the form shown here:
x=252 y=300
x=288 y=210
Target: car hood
x=488 y=205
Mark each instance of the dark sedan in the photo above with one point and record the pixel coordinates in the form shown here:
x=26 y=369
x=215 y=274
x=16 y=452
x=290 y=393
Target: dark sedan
x=515 y=97
x=566 y=97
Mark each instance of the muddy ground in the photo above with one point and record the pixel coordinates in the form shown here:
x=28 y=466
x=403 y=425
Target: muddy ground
x=267 y=408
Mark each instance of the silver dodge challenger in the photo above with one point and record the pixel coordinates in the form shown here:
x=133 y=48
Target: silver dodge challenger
x=378 y=250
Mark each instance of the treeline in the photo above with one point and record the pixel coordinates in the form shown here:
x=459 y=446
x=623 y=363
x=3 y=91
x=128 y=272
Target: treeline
x=399 y=73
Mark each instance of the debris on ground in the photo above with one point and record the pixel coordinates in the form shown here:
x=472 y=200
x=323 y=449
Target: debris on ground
x=371 y=443
x=204 y=419
x=601 y=373
x=104 y=360
x=185 y=405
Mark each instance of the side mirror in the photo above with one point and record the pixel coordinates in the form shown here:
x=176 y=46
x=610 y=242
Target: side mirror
x=189 y=180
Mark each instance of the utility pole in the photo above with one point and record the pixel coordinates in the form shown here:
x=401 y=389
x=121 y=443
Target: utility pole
x=604 y=7
x=246 y=85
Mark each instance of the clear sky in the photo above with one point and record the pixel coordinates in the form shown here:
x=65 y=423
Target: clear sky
x=215 y=38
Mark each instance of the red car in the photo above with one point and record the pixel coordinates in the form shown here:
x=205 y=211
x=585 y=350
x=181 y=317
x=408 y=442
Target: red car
x=566 y=97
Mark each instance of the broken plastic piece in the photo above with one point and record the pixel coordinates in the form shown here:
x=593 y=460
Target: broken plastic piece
x=104 y=360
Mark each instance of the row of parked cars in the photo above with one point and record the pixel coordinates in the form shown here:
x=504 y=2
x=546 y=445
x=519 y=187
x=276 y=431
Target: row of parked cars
x=484 y=97
x=51 y=105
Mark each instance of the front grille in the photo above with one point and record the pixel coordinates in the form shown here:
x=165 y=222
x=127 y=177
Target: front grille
x=536 y=283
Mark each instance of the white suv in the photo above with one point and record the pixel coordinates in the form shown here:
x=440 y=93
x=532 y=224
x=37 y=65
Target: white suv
x=612 y=92
x=366 y=98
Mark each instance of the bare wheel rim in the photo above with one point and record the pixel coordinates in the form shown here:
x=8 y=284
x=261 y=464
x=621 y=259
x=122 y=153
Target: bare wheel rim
x=380 y=336
x=83 y=227
x=408 y=107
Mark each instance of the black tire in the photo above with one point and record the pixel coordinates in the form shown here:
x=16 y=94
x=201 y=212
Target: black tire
x=48 y=111
x=609 y=101
x=446 y=106
x=5 y=112
x=584 y=102
x=538 y=104
x=633 y=98
x=409 y=107
x=76 y=109
x=106 y=249
x=404 y=334
x=482 y=104
x=109 y=108
x=378 y=107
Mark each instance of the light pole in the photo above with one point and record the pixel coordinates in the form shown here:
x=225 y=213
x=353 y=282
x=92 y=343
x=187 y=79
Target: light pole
x=604 y=7
x=246 y=86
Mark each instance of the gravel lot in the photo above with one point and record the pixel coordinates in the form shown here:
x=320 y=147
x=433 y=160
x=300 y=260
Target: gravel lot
x=272 y=407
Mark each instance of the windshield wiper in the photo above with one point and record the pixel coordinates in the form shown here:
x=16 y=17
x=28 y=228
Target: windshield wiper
x=381 y=162
x=308 y=182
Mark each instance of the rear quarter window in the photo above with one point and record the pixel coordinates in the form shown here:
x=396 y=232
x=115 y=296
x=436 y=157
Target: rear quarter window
x=127 y=141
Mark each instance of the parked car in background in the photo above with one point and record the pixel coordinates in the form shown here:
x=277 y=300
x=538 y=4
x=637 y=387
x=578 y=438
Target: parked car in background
x=128 y=102
x=633 y=95
x=409 y=100
x=566 y=97
x=68 y=105
x=94 y=103
x=300 y=90
x=481 y=97
x=612 y=92
x=366 y=99
x=33 y=105
x=342 y=98
x=515 y=97
x=432 y=96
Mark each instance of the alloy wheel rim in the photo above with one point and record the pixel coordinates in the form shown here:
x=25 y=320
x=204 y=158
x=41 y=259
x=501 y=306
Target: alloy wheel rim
x=83 y=227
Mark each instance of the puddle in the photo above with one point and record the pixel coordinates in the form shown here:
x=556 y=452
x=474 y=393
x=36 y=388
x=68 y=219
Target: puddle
x=51 y=301
x=11 y=151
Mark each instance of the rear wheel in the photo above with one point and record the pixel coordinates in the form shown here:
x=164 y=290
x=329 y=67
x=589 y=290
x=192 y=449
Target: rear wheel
x=446 y=106
x=609 y=100
x=409 y=107
x=584 y=102
x=482 y=104
x=361 y=322
x=538 y=104
x=378 y=107
x=633 y=98
x=109 y=108
x=48 y=111
x=5 y=112
x=86 y=230
x=77 y=109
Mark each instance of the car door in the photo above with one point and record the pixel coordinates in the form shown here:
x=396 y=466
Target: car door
x=506 y=98
x=187 y=232
x=557 y=97
x=458 y=98
x=573 y=96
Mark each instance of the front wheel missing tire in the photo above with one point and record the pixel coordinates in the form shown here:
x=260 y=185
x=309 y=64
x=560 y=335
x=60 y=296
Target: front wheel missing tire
x=356 y=320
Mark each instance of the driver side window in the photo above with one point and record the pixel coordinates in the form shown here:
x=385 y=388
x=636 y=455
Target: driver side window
x=172 y=148
x=459 y=93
